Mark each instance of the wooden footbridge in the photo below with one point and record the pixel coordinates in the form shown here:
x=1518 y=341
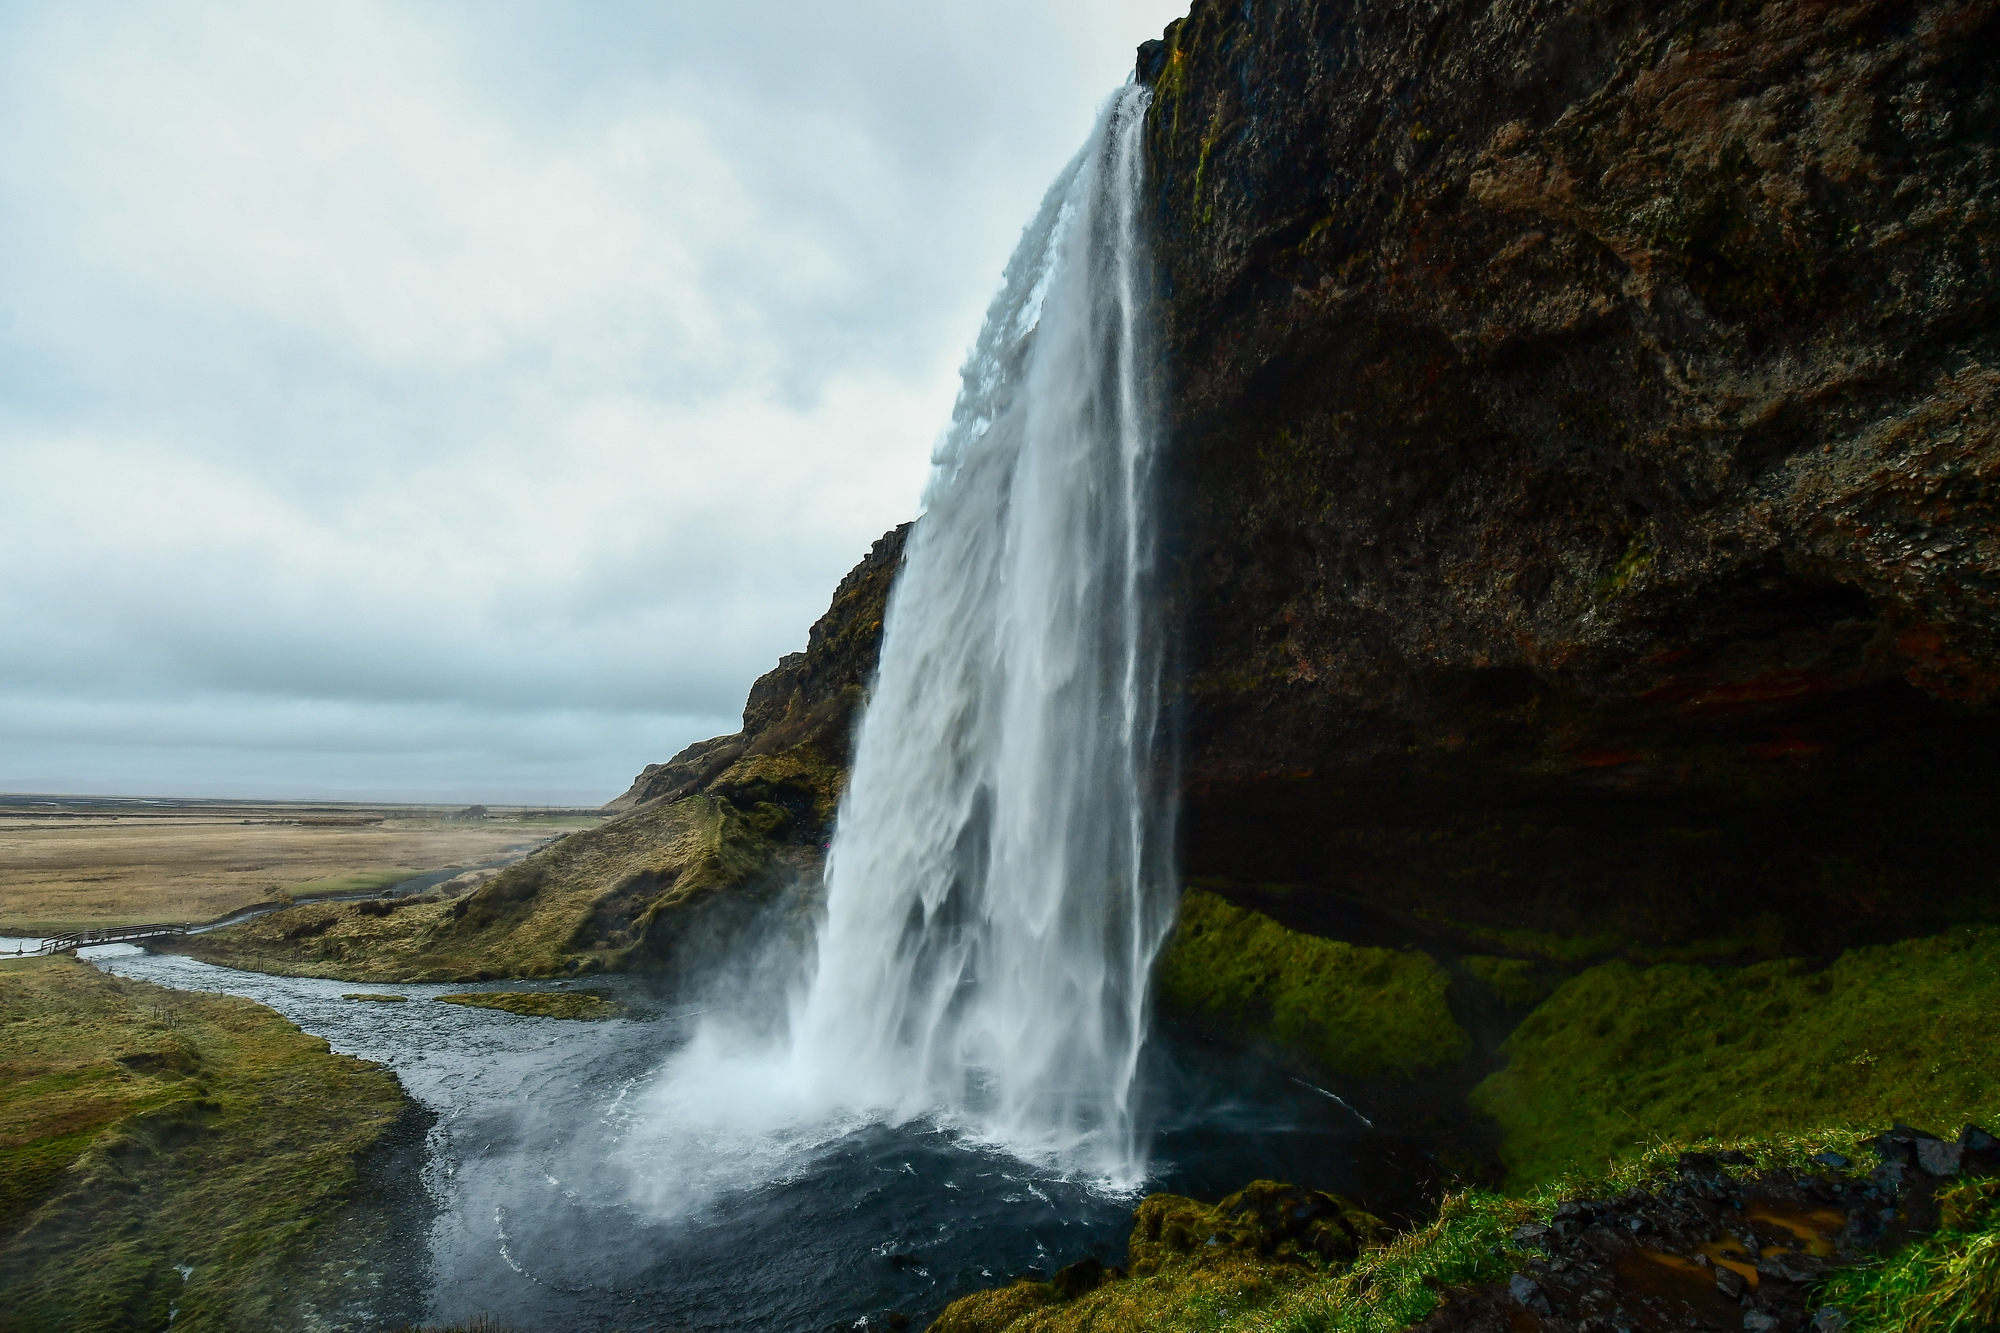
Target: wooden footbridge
x=83 y=939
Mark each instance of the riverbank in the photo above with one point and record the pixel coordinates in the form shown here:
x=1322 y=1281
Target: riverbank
x=188 y=1158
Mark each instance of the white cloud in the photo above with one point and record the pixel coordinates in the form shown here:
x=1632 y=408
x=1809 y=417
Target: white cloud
x=533 y=369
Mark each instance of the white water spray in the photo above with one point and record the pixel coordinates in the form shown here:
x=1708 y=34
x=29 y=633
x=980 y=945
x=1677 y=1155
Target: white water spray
x=1000 y=879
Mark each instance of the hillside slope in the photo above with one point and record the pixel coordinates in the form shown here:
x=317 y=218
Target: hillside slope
x=721 y=841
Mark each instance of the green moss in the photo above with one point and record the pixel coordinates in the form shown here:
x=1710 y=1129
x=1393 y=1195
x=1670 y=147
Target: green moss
x=1516 y=981
x=168 y=1154
x=1638 y=555
x=376 y=995
x=1208 y=143
x=1358 y=1011
x=1621 y=1057
x=540 y=1004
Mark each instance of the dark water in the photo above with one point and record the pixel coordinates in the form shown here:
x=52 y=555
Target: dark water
x=548 y=1202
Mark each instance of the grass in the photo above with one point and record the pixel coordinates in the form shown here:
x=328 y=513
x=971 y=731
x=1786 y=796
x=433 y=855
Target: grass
x=1948 y=1283
x=360 y=881
x=1620 y=1057
x=540 y=1004
x=88 y=873
x=1356 y=1010
x=597 y=900
x=167 y=1155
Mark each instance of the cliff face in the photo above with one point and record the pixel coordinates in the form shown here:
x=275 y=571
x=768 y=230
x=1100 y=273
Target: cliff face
x=809 y=699
x=1585 y=427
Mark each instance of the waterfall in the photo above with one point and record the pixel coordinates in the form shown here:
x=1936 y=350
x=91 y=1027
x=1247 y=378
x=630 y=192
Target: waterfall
x=1000 y=877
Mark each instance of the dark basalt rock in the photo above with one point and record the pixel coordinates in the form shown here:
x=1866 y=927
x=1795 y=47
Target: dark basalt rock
x=1584 y=419
x=1082 y=1277
x=809 y=698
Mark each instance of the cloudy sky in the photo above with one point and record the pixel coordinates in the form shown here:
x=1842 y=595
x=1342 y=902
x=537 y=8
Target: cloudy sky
x=467 y=399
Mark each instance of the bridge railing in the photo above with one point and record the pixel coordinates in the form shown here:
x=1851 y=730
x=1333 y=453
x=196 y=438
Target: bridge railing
x=83 y=939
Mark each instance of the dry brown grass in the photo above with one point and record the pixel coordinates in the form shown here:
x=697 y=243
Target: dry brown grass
x=535 y=920
x=199 y=864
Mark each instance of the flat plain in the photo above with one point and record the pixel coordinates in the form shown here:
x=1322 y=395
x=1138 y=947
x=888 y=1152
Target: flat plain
x=71 y=863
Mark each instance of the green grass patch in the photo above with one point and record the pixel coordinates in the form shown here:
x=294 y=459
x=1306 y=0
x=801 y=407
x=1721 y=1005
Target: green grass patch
x=366 y=881
x=146 y=1131
x=1621 y=1057
x=541 y=1004
x=1356 y=1010
x=1947 y=1283
x=380 y=997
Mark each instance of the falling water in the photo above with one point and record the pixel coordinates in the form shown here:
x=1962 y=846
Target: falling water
x=998 y=884
x=1000 y=876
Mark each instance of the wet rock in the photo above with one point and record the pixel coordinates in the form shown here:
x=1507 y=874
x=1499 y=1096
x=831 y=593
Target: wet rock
x=1829 y=1319
x=1152 y=61
x=1756 y=1321
x=1081 y=1278
x=1527 y=1291
x=1939 y=1158
x=1982 y=1150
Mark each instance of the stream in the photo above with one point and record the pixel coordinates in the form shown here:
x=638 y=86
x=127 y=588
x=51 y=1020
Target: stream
x=550 y=1199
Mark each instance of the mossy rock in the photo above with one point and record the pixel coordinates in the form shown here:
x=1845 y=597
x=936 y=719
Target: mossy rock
x=1517 y=982
x=1358 y=1011
x=1264 y=1220
x=540 y=1004
x=378 y=996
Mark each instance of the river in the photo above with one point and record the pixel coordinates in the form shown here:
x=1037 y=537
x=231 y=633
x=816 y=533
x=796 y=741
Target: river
x=554 y=1203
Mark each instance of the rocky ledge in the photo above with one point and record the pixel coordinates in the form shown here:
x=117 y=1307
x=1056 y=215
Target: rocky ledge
x=1715 y=1250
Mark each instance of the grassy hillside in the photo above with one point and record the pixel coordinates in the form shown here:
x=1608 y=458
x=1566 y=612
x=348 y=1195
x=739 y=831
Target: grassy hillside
x=167 y=1156
x=1622 y=1057
x=635 y=893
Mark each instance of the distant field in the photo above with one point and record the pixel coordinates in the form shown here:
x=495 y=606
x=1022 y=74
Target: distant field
x=75 y=864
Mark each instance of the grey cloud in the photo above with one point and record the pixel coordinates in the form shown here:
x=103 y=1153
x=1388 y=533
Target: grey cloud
x=533 y=368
